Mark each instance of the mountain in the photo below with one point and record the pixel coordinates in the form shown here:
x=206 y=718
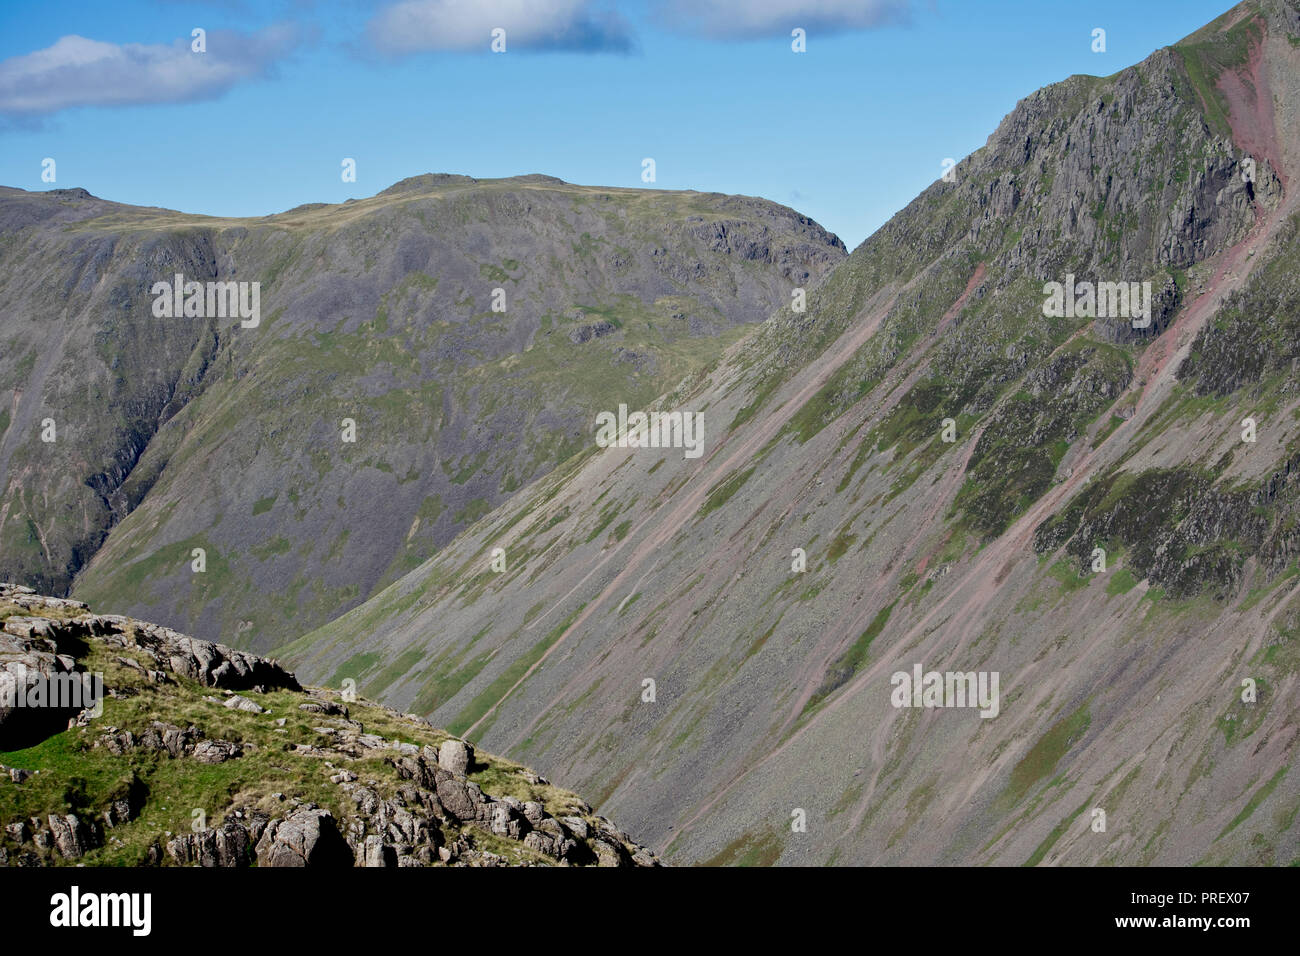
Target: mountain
x=416 y=358
x=941 y=467
x=163 y=763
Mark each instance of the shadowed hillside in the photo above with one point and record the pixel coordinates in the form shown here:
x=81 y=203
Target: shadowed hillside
x=467 y=330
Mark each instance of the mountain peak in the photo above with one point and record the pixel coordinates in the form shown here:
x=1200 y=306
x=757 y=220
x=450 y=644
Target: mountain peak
x=1281 y=17
x=427 y=181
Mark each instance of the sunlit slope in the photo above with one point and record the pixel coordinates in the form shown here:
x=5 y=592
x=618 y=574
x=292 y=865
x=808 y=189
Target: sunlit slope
x=1121 y=690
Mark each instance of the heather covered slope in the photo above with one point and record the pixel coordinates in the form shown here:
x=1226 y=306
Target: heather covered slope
x=176 y=434
x=1120 y=689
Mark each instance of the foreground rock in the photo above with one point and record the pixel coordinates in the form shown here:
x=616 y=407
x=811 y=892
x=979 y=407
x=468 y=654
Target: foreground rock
x=366 y=786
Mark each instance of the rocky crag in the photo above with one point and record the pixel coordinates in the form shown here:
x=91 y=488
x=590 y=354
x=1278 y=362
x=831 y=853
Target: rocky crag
x=203 y=755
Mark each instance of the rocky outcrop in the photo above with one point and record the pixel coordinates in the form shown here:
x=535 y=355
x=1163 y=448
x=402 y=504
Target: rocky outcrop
x=593 y=330
x=1184 y=532
x=306 y=837
x=424 y=809
x=1256 y=334
x=424 y=822
x=33 y=674
x=211 y=664
x=38 y=670
x=69 y=624
x=58 y=836
x=231 y=844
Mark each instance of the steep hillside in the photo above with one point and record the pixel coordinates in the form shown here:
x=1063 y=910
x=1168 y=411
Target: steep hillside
x=164 y=764
x=461 y=333
x=948 y=457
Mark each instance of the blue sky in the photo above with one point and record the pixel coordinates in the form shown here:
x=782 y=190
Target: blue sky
x=847 y=132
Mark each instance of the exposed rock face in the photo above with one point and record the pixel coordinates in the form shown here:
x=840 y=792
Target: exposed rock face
x=424 y=810
x=409 y=829
x=1078 y=127
x=32 y=670
x=585 y=333
x=209 y=663
x=1165 y=300
x=71 y=837
x=1185 y=535
x=216 y=751
x=229 y=845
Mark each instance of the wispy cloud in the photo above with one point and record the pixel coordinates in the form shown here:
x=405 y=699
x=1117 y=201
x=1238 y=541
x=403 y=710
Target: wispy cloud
x=580 y=26
x=77 y=71
x=751 y=18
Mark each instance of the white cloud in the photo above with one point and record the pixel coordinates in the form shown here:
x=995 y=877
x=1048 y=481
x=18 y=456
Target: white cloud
x=76 y=71
x=750 y=18
x=414 y=26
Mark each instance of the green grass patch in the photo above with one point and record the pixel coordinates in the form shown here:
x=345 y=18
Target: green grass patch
x=1043 y=757
x=850 y=662
x=723 y=491
x=1121 y=582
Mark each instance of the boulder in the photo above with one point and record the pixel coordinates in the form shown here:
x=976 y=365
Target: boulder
x=18 y=832
x=72 y=838
x=506 y=822
x=456 y=756
x=454 y=795
x=577 y=826
x=607 y=854
x=162 y=736
x=243 y=703
x=217 y=751
x=326 y=707
x=307 y=837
